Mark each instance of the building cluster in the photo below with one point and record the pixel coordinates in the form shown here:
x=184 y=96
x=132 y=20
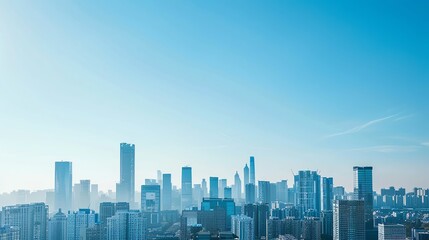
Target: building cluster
x=312 y=208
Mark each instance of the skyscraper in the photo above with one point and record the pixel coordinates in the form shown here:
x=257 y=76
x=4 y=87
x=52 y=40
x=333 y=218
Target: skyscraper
x=243 y=227
x=237 y=186
x=260 y=214
x=151 y=198
x=327 y=193
x=84 y=194
x=186 y=187
x=252 y=170
x=126 y=226
x=78 y=222
x=58 y=227
x=63 y=186
x=222 y=186
x=282 y=191
x=246 y=175
x=349 y=220
x=204 y=188
x=363 y=191
x=307 y=190
x=125 y=189
x=214 y=187
x=30 y=219
x=264 y=192
x=250 y=193
x=167 y=189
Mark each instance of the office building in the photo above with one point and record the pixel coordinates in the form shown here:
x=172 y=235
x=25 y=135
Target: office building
x=167 y=189
x=327 y=193
x=63 y=186
x=186 y=201
x=349 y=220
x=78 y=222
x=363 y=191
x=30 y=219
x=57 y=227
x=282 y=191
x=252 y=170
x=250 y=193
x=260 y=213
x=204 y=187
x=307 y=192
x=222 y=185
x=151 y=202
x=126 y=226
x=9 y=233
x=125 y=189
x=264 y=192
x=243 y=227
x=391 y=232
x=214 y=187
x=237 y=186
x=246 y=175
x=227 y=192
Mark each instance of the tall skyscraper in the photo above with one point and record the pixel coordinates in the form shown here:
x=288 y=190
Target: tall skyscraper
x=151 y=198
x=125 y=189
x=58 y=226
x=391 y=232
x=214 y=187
x=243 y=227
x=307 y=190
x=63 y=186
x=349 y=220
x=204 y=187
x=186 y=187
x=167 y=189
x=327 y=193
x=260 y=214
x=252 y=170
x=246 y=175
x=222 y=186
x=237 y=186
x=363 y=191
x=30 y=219
x=264 y=192
x=282 y=191
x=84 y=194
x=250 y=193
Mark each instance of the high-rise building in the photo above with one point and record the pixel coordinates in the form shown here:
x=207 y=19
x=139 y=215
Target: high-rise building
x=363 y=191
x=243 y=227
x=264 y=192
x=327 y=218
x=84 y=199
x=30 y=219
x=227 y=192
x=349 y=220
x=252 y=170
x=327 y=193
x=246 y=175
x=63 y=186
x=94 y=197
x=126 y=226
x=250 y=193
x=151 y=202
x=159 y=177
x=391 y=232
x=78 y=222
x=186 y=187
x=167 y=189
x=282 y=191
x=204 y=187
x=222 y=185
x=125 y=189
x=107 y=210
x=214 y=187
x=307 y=190
x=57 y=227
x=237 y=186
x=260 y=213
x=225 y=208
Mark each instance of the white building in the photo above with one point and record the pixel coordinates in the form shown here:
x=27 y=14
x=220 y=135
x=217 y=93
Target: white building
x=58 y=227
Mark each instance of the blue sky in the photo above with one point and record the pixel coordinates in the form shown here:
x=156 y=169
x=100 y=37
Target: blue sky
x=299 y=85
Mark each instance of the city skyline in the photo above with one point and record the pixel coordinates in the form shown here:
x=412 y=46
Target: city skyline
x=316 y=86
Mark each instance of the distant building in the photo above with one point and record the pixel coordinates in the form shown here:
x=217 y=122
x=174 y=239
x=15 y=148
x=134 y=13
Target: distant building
x=227 y=192
x=63 y=186
x=214 y=187
x=260 y=214
x=222 y=185
x=126 y=226
x=264 y=192
x=186 y=201
x=151 y=202
x=125 y=189
x=246 y=175
x=363 y=190
x=282 y=191
x=9 y=233
x=167 y=189
x=308 y=194
x=243 y=227
x=57 y=227
x=250 y=193
x=327 y=219
x=30 y=219
x=237 y=186
x=349 y=220
x=78 y=222
x=327 y=193
x=226 y=205
x=252 y=170
x=391 y=232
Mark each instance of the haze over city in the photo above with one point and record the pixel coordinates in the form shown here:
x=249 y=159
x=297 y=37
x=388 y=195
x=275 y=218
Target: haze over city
x=318 y=86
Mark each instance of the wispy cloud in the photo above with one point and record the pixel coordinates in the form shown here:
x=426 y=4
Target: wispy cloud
x=426 y=144
x=361 y=127
x=387 y=149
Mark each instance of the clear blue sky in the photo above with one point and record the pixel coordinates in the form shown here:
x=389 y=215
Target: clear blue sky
x=299 y=85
